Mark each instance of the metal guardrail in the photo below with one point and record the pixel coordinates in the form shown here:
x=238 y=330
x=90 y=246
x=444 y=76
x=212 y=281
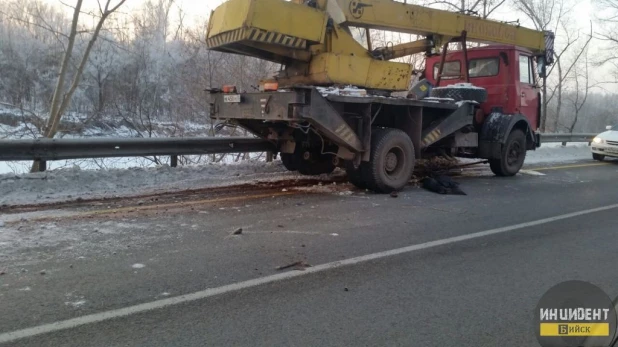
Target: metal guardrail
x=564 y=138
x=58 y=149
x=44 y=149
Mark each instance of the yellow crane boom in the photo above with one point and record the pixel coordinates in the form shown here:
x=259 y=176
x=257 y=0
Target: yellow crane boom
x=312 y=38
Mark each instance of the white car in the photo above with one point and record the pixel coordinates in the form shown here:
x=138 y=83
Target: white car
x=606 y=144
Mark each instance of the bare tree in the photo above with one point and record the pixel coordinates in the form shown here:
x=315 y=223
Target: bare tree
x=607 y=19
x=62 y=97
x=578 y=100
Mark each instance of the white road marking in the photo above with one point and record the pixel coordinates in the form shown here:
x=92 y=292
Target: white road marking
x=531 y=172
x=207 y=293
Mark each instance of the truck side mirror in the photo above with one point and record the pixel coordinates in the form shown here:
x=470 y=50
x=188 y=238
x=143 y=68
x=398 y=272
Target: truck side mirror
x=609 y=127
x=541 y=66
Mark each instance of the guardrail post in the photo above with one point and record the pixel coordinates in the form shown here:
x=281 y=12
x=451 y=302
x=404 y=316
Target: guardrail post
x=269 y=156
x=564 y=143
x=173 y=160
x=42 y=165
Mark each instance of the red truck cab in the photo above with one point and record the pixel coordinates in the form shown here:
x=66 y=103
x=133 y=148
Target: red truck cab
x=506 y=72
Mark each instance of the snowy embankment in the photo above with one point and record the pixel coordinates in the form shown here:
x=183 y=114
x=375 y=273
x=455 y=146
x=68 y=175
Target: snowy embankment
x=556 y=153
x=74 y=183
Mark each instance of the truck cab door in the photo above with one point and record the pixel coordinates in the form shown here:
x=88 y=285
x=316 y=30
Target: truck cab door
x=527 y=97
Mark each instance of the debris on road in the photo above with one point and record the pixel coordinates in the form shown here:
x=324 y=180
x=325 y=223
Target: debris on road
x=138 y=266
x=394 y=194
x=283 y=267
x=426 y=167
x=298 y=265
x=442 y=184
x=43 y=272
x=75 y=304
x=346 y=289
x=2 y=272
x=237 y=231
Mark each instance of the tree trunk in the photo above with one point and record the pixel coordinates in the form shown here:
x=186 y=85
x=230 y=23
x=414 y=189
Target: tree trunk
x=559 y=100
x=60 y=106
x=54 y=115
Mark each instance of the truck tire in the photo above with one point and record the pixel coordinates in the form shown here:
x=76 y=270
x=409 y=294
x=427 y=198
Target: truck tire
x=599 y=157
x=459 y=93
x=391 y=161
x=355 y=176
x=289 y=161
x=323 y=166
x=512 y=156
x=317 y=164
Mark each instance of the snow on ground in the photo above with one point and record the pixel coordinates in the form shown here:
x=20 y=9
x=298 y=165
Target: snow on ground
x=348 y=90
x=74 y=182
x=69 y=184
x=25 y=244
x=556 y=153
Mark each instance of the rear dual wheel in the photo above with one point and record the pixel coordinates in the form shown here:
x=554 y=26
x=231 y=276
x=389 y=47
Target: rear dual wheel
x=390 y=165
x=308 y=162
x=289 y=161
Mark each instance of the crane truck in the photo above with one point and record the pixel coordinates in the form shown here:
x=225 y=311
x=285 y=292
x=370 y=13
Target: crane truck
x=479 y=102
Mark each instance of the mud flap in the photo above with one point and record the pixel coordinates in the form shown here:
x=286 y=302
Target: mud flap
x=496 y=130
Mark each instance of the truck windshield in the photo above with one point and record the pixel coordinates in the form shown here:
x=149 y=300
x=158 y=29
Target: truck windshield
x=484 y=67
x=452 y=70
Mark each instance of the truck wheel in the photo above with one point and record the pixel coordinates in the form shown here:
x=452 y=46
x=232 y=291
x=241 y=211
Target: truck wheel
x=289 y=161
x=512 y=156
x=355 y=175
x=391 y=162
x=598 y=157
x=321 y=165
x=460 y=92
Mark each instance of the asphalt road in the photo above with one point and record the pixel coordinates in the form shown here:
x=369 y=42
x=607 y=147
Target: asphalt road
x=479 y=291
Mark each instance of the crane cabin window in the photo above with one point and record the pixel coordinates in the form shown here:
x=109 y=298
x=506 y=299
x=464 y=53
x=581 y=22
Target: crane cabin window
x=452 y=70
x=525 y=69
x=484 y=67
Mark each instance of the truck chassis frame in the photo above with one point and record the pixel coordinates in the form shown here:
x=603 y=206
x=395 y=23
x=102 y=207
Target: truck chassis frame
x=339 y=128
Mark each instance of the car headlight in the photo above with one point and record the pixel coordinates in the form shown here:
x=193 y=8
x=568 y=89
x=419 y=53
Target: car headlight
x=598 y=140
